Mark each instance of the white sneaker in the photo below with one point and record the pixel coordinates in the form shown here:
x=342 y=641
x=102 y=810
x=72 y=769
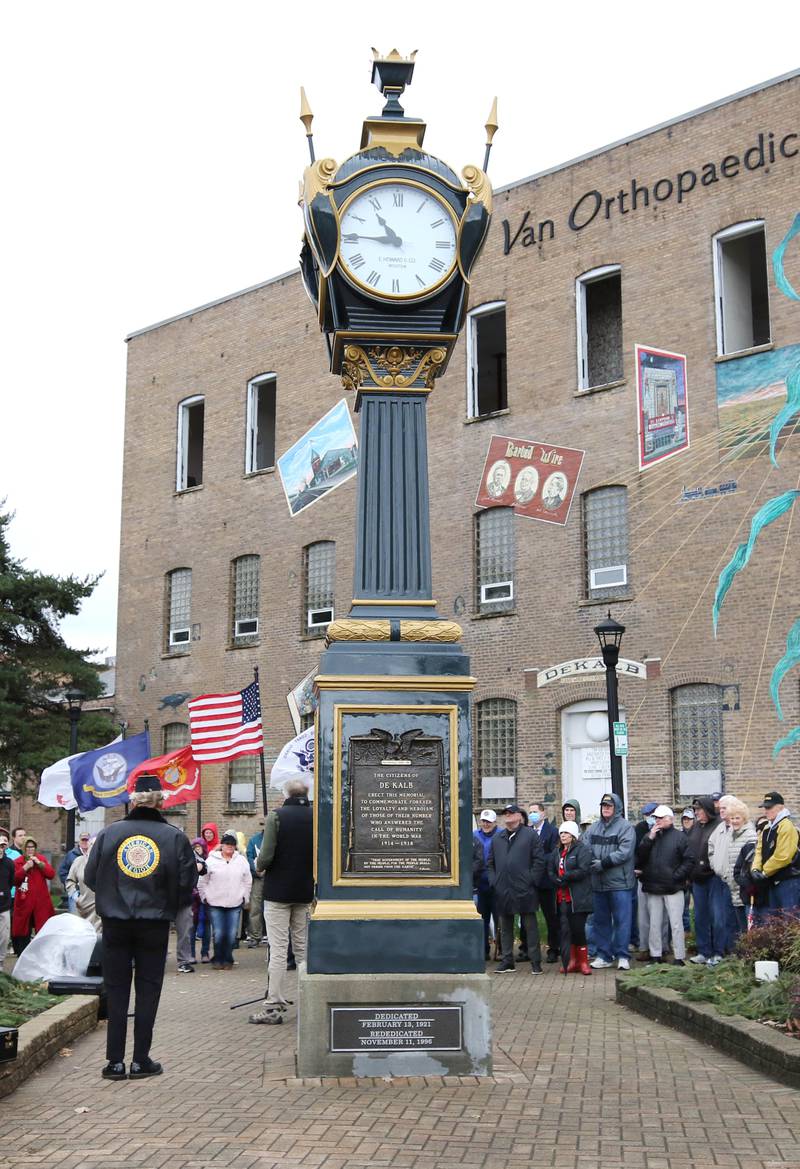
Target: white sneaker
x=623 y=964
x=715 y=961
x=600 y=964
x=699 y=959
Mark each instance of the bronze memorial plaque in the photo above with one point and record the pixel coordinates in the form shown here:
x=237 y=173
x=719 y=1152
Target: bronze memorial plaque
x=397 y=796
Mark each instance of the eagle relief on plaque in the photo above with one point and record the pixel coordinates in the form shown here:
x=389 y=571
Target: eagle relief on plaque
x=396 y=822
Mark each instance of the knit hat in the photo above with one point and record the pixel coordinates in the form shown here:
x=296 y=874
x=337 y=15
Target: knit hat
x=571 y=827
x=147 y=783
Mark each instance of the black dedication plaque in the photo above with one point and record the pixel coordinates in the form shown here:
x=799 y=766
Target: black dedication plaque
x=413 y=1028
x=397 y=806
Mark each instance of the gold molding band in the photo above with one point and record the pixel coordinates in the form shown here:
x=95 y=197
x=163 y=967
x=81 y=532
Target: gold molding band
x=358 y=629
x=374 y=629
x=392 y=367
x=394 y=910
x=389 y=682
x=387 y=601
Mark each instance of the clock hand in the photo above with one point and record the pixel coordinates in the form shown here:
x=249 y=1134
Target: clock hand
x=393 y=237
x=381 y=239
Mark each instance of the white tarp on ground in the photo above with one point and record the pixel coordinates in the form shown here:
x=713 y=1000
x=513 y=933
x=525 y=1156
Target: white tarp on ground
x=62 y=946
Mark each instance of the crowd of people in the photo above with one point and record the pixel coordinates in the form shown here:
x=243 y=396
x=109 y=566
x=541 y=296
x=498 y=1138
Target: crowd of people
x=609 y=886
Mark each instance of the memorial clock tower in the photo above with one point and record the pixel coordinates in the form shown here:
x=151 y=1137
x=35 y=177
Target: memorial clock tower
x=395 y=981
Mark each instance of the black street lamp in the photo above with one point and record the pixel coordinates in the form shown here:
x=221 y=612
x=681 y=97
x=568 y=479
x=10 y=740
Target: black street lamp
x=74 y=699
x=609 y=634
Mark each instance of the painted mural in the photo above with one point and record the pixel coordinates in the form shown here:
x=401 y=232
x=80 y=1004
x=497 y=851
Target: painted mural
x=751 y=393
x=758 y=397
x=321 y=460
x=663 y=417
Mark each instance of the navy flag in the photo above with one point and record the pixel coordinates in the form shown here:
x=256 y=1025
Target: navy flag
x=100 y=778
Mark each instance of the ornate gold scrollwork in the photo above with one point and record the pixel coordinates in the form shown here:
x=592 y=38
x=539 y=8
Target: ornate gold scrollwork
x=317 y=177
x=394 y=360
x=440 y=631
x=355 y=367
x=479 y=185
x=353 y=629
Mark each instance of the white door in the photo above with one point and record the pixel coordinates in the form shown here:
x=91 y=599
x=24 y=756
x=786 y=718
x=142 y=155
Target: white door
x=586 y=765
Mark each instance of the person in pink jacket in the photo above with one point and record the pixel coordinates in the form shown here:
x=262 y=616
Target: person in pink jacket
x=225 y=889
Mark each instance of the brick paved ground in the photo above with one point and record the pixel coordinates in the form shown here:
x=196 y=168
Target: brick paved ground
x=580 y=1083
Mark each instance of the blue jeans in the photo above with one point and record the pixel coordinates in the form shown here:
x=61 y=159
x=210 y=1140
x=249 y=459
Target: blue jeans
x=707 y=931
x=725 y=925
x=225 y=923
x=635 y=940
x=784 y=896
x=611 y=923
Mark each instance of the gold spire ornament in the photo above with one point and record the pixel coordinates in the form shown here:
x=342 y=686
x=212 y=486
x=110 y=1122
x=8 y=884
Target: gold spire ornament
x=491 y=129
x=307 y=117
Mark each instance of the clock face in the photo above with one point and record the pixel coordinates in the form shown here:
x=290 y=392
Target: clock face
x=397 y=239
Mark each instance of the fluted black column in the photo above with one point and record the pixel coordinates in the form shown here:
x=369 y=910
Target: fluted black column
x=393 y=544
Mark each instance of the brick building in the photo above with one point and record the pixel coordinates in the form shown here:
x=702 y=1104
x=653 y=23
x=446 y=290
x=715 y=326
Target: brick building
x=664 y=241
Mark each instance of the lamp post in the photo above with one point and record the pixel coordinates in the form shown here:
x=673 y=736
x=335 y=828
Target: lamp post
x=609 y=634
x=74 y=699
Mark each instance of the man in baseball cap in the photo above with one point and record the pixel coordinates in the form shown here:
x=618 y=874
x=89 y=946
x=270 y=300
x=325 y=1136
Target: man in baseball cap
x=482 y=839
x=774 y=861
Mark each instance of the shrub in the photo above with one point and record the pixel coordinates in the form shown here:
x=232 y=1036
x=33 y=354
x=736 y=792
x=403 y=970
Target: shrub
x=777 y=940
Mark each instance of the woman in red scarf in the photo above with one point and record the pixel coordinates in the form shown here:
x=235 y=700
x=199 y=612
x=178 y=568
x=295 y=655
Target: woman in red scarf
x=32 y=904
x=570 y=868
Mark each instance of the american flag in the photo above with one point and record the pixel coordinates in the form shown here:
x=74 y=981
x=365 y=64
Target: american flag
x=225 y=726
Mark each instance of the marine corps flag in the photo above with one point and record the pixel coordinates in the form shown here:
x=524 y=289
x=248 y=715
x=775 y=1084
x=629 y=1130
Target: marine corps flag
x=179 y=774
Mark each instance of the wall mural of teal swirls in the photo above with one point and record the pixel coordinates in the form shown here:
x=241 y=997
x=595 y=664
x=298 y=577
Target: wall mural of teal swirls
x=741 y=385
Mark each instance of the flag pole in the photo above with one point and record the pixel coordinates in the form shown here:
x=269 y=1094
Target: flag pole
x=261 y=755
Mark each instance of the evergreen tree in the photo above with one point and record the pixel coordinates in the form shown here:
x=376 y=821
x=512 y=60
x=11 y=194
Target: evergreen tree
x=37 y=666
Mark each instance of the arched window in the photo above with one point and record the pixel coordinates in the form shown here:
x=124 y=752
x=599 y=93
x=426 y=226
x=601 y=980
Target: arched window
x=698 y=748
x=262 y=394
x=319 y=581
x=174 y=735
x=494 y=560
x=191 y=426
x=245 y=572
x=242 y=779
x=496 y=754
x=487 y=378
x=605 y=543
x=598 y=301
x=741 y=287
x=179 y=608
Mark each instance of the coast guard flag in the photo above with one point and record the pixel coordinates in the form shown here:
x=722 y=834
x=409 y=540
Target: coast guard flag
x=100 y=778
x=296 y=761
x=225 y=726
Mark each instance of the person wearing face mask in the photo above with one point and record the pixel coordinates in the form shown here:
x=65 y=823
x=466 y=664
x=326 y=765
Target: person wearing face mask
x=548 y=838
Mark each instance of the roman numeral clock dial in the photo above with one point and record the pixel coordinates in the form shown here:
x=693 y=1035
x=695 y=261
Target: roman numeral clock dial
x=397 y=240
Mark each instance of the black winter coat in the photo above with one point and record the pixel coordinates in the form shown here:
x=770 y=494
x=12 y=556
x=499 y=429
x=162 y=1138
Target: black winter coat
x=577 y=875
x=516 y=866
x=698 y=844
x=141 y=867
x=665 y=861
x=548 y=838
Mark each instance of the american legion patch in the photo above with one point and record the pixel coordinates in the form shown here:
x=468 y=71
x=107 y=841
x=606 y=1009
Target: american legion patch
x=138 y=856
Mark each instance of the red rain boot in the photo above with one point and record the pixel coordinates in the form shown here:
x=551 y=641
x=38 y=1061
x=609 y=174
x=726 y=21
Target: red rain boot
x=572 y=968
x=583 y=966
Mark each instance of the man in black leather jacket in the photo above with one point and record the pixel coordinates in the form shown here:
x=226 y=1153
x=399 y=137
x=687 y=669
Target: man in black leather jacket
x=143 y=871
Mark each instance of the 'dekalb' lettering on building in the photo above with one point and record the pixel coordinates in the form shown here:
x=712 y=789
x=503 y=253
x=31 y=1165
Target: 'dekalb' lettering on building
x=768 y=149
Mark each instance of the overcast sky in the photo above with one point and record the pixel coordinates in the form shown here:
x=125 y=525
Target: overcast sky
x=152 y=153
